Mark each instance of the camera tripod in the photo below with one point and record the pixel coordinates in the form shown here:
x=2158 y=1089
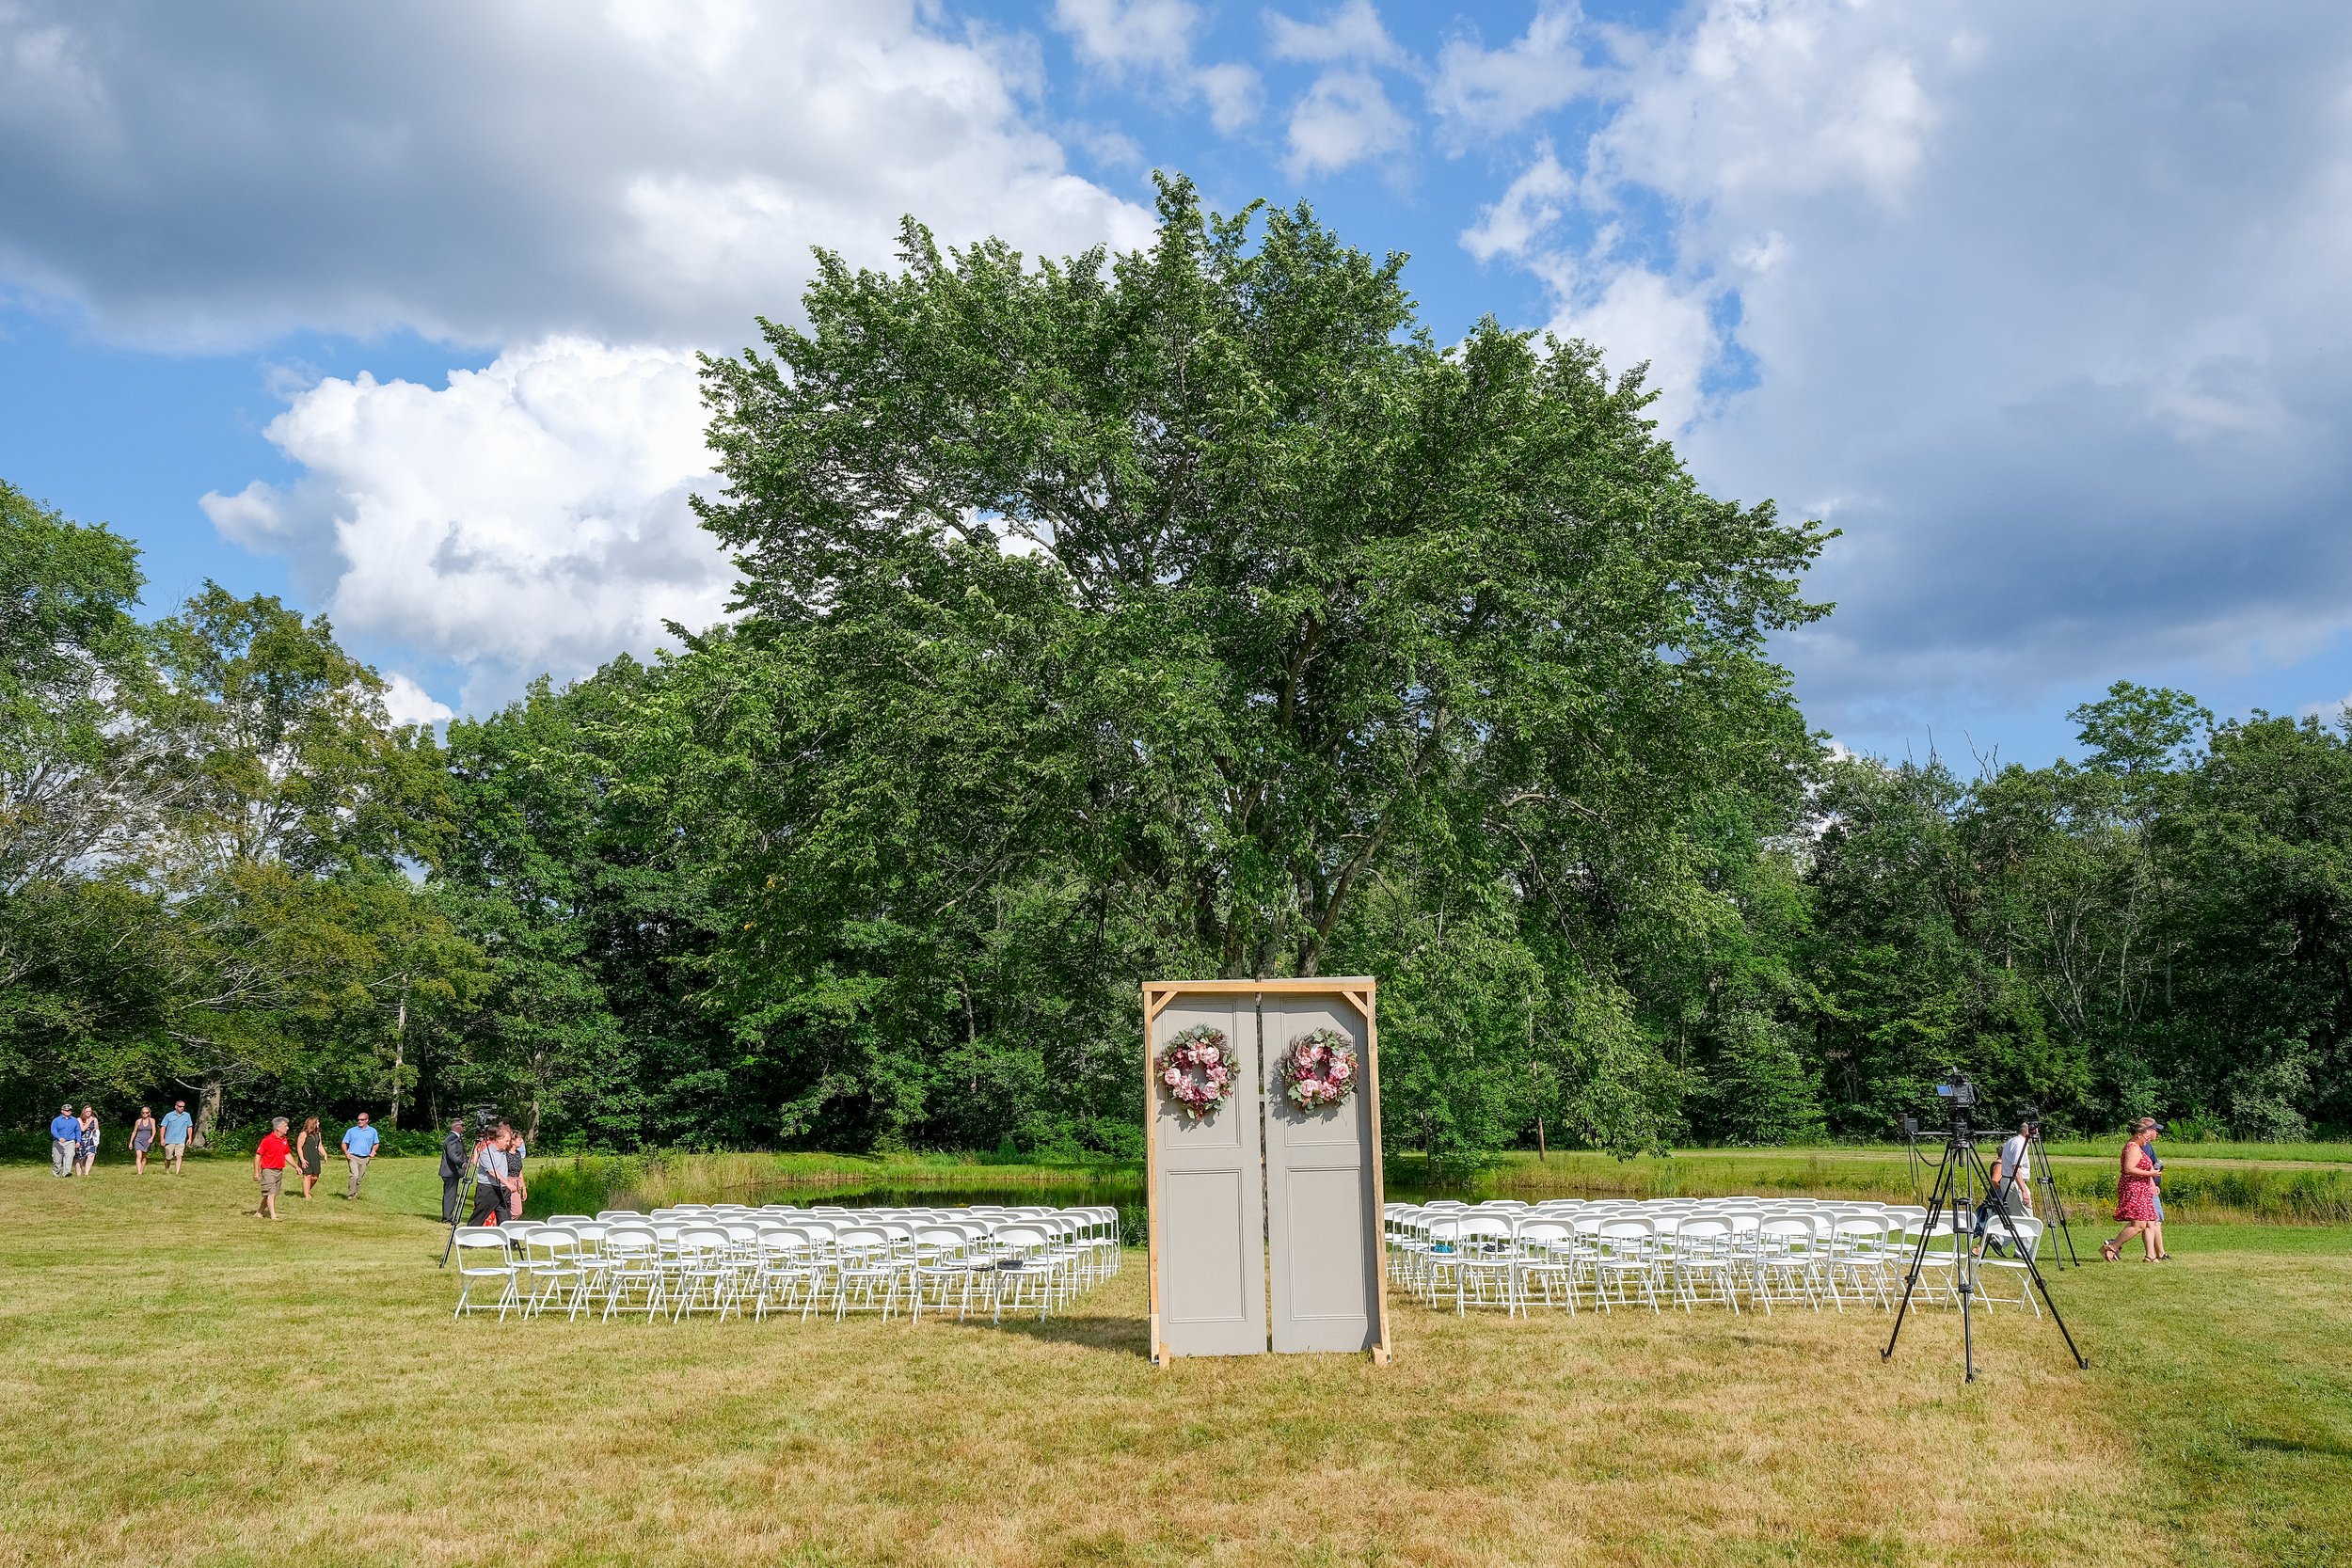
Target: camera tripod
x=1956 y=1180
x=465 y=1199
x=1917 y=1160
x=2044 y=1184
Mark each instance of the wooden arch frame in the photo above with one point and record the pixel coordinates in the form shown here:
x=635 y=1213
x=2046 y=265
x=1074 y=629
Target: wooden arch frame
x=1358 y=993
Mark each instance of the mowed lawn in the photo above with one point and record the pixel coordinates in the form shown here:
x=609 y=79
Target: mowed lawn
x=189 y=1385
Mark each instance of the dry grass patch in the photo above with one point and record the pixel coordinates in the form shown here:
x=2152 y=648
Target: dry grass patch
x=242 y=1393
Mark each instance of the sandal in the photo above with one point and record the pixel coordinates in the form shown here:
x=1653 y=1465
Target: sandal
x=2108 y=1251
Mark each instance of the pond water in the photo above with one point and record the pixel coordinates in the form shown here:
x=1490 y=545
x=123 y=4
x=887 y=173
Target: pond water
x=1127 y=1195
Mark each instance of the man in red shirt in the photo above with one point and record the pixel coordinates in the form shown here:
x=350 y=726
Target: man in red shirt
x=269 y=1167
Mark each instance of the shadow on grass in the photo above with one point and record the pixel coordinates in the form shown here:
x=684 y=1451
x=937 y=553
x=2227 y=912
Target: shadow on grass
x=1118 y=1334
x=2295 y=1445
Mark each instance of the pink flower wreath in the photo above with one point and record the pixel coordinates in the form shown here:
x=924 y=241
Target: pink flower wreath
x=1321 y=1068
x=1198 y=1067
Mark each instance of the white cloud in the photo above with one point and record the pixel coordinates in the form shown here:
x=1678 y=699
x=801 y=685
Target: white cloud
x=1490 y=92
x=532 y=515
x=1350 y=32
x=1774 y=99
x=493 y=173
x=1638 y=317
x=1345 y=118
x=1536 y=200
x=1152 y=40
x=1127 y=35
x=2049 y=301
x=406 y=703
x=1232 y=93
x=1634 y=315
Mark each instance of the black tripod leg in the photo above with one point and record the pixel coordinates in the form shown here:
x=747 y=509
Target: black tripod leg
x=465 y=1194
x=2034 y=1273
x=2048 y=1181
x=1919 y=1254
x=1964 y=1258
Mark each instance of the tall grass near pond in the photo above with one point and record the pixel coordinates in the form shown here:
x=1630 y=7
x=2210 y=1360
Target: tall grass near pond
x=2198 y=1187
x=585 y=1184
x=2195 y=1189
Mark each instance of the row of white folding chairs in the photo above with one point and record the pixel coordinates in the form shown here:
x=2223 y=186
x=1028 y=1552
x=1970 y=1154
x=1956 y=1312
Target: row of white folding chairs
x=1616 y=1255
x=1101 y=1222
x=724 y=1262
x=1831 y=1263
x=685 y=1266
x=1689 y=1251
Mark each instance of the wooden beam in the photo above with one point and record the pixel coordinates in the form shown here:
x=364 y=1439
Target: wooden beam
x=1381 y=1350
x=1151 y=1167
x=1314 y=985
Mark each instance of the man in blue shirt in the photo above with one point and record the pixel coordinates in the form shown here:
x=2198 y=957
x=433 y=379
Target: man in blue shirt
x=176 y=1125
x=65 y=1141
x=358 y=1148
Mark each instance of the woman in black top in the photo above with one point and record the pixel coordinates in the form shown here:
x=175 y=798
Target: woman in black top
x=514 y=1169
x=310 y=1154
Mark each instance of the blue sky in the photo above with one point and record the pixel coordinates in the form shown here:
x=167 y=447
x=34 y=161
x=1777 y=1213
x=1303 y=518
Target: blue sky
x=391 y=310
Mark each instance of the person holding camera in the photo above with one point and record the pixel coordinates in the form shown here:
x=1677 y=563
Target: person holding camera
x=453 y=1156
x=2011 y=1191
x=491 y=1184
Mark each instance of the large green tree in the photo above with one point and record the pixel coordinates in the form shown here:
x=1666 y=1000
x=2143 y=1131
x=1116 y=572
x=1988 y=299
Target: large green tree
x=1230 y=591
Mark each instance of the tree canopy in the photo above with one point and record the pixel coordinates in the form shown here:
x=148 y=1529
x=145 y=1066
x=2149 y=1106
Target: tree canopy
x=1192 y=611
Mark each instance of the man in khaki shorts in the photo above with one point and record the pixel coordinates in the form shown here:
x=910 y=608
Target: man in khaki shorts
x=176 y=1125
x=269 y=1167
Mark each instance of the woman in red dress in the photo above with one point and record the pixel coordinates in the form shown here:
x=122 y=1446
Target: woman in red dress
x=2136 y=1194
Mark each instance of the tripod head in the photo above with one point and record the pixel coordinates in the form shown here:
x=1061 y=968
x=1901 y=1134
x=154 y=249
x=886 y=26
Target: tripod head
x=1959 y=1098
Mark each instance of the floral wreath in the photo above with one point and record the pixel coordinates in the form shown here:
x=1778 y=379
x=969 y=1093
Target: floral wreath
x=1321 y=1067
x=1198 y=1069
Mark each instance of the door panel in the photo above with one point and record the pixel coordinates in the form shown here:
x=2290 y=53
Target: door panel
x=1321 y=1190
x=1208 y=1214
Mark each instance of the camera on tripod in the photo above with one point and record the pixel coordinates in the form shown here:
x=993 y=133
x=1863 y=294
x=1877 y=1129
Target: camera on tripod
x=1961 y=1176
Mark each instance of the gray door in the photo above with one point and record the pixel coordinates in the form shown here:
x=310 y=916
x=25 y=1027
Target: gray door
x=1322 y=1205
x=1208 y=1208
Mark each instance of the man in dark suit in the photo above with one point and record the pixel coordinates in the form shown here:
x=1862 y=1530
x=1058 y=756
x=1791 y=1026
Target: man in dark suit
x=453 y=1157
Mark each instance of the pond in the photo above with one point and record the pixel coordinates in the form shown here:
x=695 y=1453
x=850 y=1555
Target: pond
x=1125 y=1194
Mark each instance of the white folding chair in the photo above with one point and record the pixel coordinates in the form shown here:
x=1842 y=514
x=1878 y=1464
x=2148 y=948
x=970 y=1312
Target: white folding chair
x=701 y=1272
x=1547 y=1263
x=482 y=1257
x=1626 y=1257
x=1023 y=1273
x=1993 y=1271
x=1707 y=1262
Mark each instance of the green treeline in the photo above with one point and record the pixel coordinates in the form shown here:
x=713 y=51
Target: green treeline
x=1186 y=612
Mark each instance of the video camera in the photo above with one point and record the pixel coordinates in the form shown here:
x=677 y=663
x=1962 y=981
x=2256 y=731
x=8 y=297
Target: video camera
x=1958 y=1090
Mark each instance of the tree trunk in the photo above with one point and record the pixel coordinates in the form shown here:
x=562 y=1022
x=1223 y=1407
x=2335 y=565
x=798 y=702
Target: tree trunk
x=207 y=1114
x=399 y=1045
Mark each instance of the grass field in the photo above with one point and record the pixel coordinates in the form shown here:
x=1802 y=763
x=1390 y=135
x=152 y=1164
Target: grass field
x=193 y=1385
